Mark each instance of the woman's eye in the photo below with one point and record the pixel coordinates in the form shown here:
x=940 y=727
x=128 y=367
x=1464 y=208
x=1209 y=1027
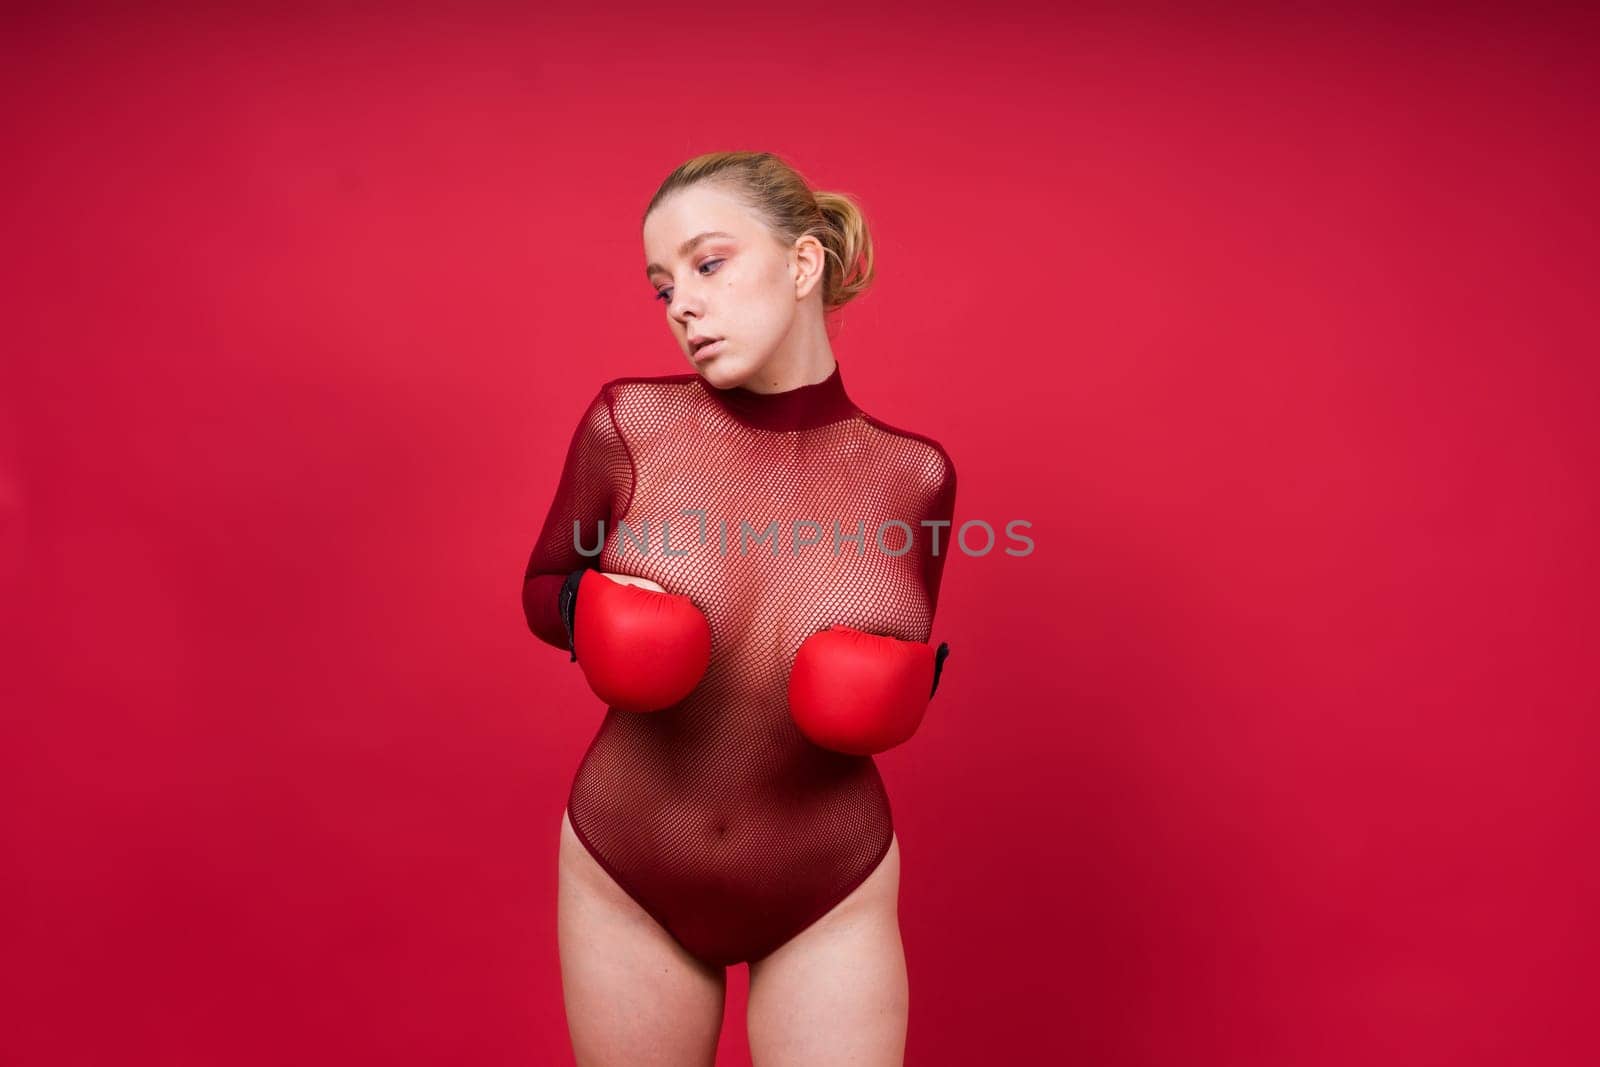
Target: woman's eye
x=665 y=295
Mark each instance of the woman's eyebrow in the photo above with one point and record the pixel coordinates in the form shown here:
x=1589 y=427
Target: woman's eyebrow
x=685 y=248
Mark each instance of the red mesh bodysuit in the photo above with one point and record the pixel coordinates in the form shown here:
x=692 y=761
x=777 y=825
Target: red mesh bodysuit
x=717 y=815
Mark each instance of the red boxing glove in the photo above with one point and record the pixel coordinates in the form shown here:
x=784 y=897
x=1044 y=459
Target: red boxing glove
x=640 y=650
x=861 y=693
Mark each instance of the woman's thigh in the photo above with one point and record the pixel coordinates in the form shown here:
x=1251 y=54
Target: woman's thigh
x=633 y=995
x=837 y=992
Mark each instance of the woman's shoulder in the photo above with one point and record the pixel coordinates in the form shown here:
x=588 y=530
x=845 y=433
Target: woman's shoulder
x=916 y=459
x=635 y=385
x=634 y=396
x=922 y=449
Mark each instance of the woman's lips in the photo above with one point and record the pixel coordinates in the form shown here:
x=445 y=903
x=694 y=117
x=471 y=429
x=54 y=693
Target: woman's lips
x=705 y=352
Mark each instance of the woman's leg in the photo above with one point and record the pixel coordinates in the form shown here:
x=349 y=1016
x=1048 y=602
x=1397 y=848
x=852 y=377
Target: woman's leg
x=837 y=992
x=633 y=994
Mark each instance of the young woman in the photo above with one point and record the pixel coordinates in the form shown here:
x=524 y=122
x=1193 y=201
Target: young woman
x=714 y=831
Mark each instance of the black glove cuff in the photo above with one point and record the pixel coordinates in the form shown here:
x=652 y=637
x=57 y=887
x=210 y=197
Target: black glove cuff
x=938 y=666
x=568 y=602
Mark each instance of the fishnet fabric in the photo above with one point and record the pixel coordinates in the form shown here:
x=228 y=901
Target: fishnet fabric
x=717 y=815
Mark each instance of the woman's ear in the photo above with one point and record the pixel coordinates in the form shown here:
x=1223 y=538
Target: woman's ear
x=807 y=262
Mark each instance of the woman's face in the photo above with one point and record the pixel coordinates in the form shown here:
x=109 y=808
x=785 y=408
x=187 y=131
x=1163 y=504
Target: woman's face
x=739 y=284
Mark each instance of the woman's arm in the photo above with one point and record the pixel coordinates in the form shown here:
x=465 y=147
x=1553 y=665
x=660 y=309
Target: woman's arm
x=941 y=508
x=595 y=487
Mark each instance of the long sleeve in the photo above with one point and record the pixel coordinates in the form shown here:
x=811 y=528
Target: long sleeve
x=941 y=508
x=595 y=488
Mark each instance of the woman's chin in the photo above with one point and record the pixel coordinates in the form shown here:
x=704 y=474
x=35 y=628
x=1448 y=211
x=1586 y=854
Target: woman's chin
x=722 y=373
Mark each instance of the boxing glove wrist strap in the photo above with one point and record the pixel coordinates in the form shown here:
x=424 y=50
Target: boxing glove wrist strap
x=938 y=666
x=568 y=603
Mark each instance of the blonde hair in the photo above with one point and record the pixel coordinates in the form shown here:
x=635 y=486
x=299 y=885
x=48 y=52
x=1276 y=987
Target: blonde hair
x=791 y=209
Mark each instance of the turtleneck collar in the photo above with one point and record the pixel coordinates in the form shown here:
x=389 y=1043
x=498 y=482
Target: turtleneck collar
x=800 y=408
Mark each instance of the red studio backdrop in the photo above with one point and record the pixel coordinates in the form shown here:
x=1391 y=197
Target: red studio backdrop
x=1278 y=327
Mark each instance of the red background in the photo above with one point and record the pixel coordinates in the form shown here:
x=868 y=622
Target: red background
x=1279 y=329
